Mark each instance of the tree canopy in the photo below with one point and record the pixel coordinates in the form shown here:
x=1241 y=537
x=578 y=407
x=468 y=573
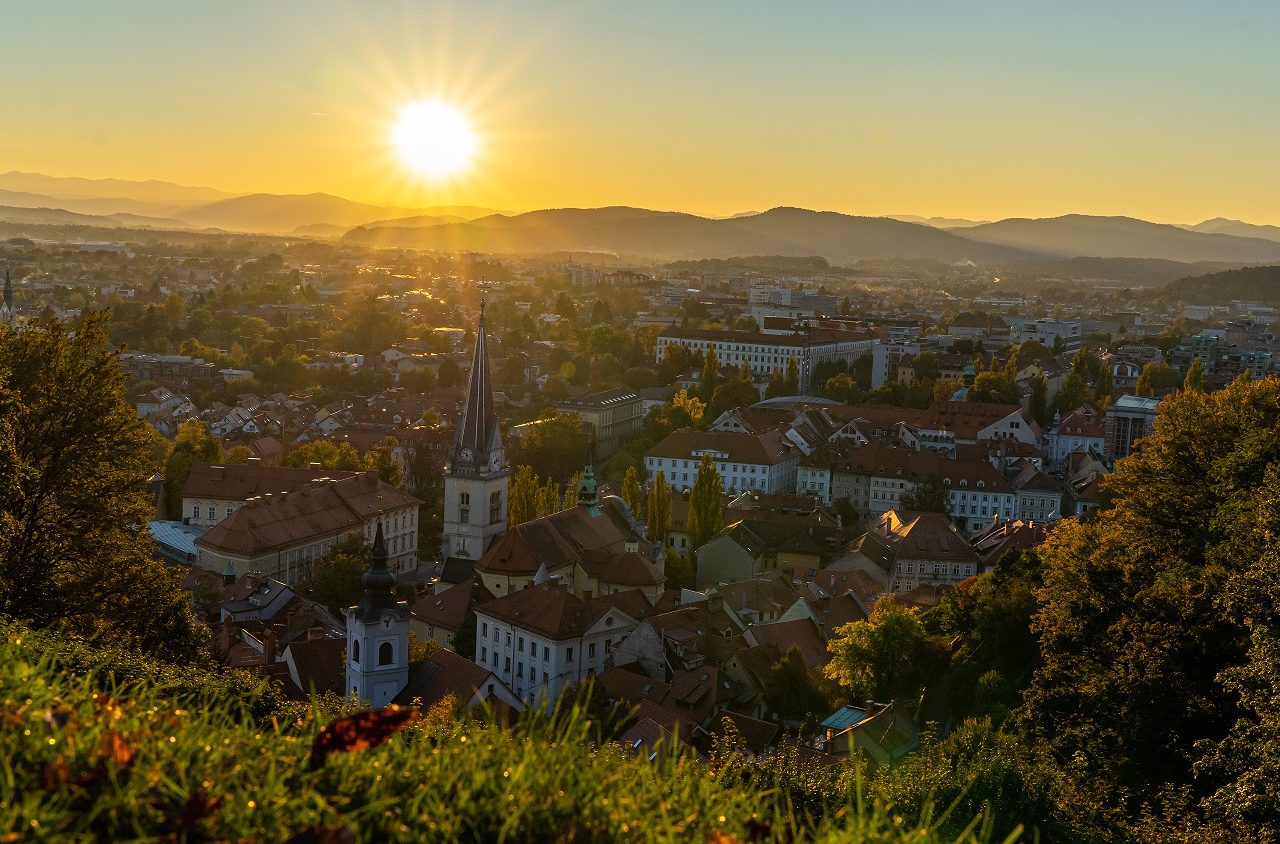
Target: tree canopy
x=75 y=464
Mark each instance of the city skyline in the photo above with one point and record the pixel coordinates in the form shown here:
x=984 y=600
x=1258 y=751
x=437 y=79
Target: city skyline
x=1153 y=110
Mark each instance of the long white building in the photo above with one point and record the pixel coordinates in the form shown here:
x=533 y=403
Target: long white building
x=769 y=353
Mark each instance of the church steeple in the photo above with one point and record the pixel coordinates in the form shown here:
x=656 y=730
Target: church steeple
x=8 y=295
x=475 y=477
x=477 y=442
x=379 y=582
x=378 y=634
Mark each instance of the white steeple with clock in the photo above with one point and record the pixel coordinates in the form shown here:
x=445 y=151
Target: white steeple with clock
x=475 y=475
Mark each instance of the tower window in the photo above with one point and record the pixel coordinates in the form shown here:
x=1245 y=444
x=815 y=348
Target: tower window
x=385 y=654
x=495 y=507
x=355 y=651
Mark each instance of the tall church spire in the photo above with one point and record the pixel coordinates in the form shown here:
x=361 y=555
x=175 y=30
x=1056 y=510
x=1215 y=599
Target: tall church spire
x=477 y=442
x=379 y=582
x=8 y=294
x=475 y=477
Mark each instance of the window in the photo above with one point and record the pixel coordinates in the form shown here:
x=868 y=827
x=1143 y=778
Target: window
x=386 y=654
x=484 y=628
x=495 y=507
x=506 y=665
x=464 y=507
x=508 y=638
x=520 y=647
x=195 y=511
x=591 y=651
x=520 y=670
x=608 y=645
x=546 y=654
x=355 y=651
x=230 y=509
x=568 y=654
x=484 y=655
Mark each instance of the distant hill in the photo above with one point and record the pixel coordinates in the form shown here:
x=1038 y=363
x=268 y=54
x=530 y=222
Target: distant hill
x=1255 y=284
x=74 y=186
x=280 y=213
x=61 y=216
x=677 y=236
x=939 y=222
x=1221 y=225
x=1133 y=272
x=1121 y=237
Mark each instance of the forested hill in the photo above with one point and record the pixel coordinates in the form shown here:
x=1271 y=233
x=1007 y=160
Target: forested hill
x=1256 y=284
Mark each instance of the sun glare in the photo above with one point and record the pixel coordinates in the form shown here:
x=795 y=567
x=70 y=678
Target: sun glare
x=433 y=139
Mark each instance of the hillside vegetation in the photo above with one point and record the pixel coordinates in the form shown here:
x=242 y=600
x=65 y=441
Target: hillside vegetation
x=1255 y=284
x=100 y=745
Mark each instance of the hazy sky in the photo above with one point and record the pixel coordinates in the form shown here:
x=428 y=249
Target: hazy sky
x=1166 y=110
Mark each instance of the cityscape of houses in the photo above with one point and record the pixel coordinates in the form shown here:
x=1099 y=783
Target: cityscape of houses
x=860 y=453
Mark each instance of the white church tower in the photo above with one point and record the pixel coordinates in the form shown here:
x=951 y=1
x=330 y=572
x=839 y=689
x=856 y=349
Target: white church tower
x=475 y=475
x=378 y=634
x=7 y=310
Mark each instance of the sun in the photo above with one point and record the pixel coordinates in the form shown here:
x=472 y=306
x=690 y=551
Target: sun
x=434 y=139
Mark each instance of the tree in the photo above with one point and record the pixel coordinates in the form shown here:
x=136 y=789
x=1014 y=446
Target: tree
x=710 y=376
x=658 y=510
x=382 y=459
x=1073 y=393
x=843 y=388
x=685 y=410
x=75 y=463
x=1135 y=690
x=448 y=374
x=791 y=383
x=928 y=495
x=193 y=444
x=1080 y=364
x=631 y=489
x=706 y=503
x=522 y=496
x=555 y=447
x=993 y=387
x=1106 y=389
x=1155 y=378
x=336 y=578
x=737 y=392
x=1039 y=404
x=327 y=455
x=1195 y=375
x=926 y=367
x=777 y=385
x=790 y=691
x=882 y=658
x=238 y=454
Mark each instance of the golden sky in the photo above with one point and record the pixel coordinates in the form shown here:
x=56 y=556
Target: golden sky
x=1162 y=110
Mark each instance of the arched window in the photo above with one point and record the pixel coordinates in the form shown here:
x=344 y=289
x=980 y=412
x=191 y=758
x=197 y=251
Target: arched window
x=195 y=510
x=384 y=653
x=355 y=651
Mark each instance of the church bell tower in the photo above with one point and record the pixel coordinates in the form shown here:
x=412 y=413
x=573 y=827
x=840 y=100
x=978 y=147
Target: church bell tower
x=378 y=634
x=476 y=474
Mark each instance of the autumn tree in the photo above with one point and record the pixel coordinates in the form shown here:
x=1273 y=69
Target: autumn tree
x=658 y=510
x=631 y=489
x=193 y=444
x=522 y=496
x=710 y=375
x=1195 y=375
x=706 y=503
x=1139 y=627
x=883 y=658
x=383 y=460
x=1039 y=404
x=75 y=463
x=1073 y=393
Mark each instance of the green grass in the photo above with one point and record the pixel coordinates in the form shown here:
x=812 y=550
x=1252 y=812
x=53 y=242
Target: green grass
x=89 y=752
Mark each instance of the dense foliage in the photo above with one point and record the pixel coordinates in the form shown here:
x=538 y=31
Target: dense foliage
x=75 y=464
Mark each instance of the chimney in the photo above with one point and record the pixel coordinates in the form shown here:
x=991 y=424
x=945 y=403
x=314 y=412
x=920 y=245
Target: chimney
x=269 y=644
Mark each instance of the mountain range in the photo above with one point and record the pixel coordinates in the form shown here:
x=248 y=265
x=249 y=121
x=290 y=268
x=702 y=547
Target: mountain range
x=33 y=198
